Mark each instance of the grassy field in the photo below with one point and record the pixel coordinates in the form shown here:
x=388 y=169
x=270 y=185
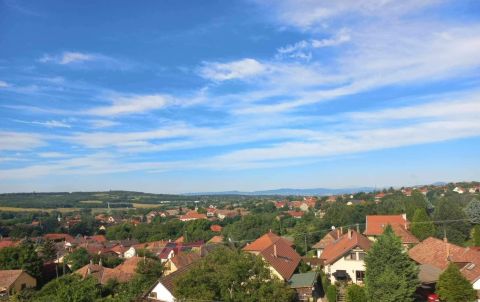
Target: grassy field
x=145 y=205
x=91 y=201
x=13 y=209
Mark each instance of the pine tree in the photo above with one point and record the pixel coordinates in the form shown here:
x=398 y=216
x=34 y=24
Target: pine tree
x=452 y=286
x=473 y=211
x=390 y=274
x=422 y=226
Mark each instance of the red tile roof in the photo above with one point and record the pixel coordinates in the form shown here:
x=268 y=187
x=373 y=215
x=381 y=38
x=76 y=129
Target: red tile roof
x=192 y=215
x=103 y=274
x=216 y=228
x=440 y=253
x=296 y=214
x=7 y=243
x=58 y=236
x=282 y=258
x=286 y=259
x=376 y=224
x=216 y=239
x=343 y=245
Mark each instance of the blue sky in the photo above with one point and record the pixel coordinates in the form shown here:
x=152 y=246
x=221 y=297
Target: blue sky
x=184 y=96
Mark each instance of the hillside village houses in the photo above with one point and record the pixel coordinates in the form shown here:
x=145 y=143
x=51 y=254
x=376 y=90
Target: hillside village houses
x=376 y=224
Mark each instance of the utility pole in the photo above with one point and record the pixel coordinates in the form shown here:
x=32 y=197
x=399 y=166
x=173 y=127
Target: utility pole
x=306 y=248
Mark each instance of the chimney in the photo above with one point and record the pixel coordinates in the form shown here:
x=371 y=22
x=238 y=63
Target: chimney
x=275 y=250
x=349 y=234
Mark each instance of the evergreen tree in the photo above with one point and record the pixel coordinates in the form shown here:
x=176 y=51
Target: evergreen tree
x=49 y=252
x=457 y=228
x=452 y=286
x=422 y=226
x=390 y=274
x=473 y=211
x=476 y=235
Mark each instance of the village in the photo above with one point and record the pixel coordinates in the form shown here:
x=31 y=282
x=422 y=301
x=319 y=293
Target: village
x=315 y=271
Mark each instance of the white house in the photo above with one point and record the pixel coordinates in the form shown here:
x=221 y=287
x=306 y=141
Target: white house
x=164 y=289
x=344 y=257
x=131 y=252
x=459 y=190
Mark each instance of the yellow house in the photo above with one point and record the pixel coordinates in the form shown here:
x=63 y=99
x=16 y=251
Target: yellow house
x=13 y=281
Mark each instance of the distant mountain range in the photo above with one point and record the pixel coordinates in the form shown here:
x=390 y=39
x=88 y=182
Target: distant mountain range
x=287 y=191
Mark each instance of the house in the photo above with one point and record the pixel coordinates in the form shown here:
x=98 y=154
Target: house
x=352 y=202
x=379 y=196
x=440 y=253
x=459 y=190
x=216 y=228
x=164 y=289
x=211 y=212
x=180 y=260
x=13 y=281
x=57 y=237
x=344 y=258
x=222 y=214
x=332 y=199
x=277 y=252
x=328 y=239
x=302 y=206
x=424 y=191
x=305 y=286
x=296 y=214
x=407 y=192
x=376 y=224
x=192 y=215
x=122 y=273
x=280 y=204
x=7 y=242
x=215 y=239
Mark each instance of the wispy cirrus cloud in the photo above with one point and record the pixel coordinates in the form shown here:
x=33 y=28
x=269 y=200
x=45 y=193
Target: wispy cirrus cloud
x=123 y=105
x=11 y=140
x=4 y=84
x=68 y=57
x=240 y=69
x=48 y=124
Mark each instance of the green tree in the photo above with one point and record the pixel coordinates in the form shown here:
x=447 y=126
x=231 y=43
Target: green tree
x=473 y=211
x=78 y=258
x=450 y=217
x=452 y=286
x=70 y=288
x=476 y=235
x=331 y=293
x=49 y=252
x=29 y=259
x=390 y=275
x=356 y=293
x=231 y=275
x=422 y=226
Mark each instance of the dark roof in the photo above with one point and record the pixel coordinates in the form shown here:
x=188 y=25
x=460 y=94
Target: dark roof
x=303 y=280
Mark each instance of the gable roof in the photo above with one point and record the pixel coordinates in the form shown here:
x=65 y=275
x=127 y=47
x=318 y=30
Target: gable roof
x=168 y=281
x=192 y=215
x=182 y=259
x=440 y=254
x=263 y=242
x=8 y=277
x=216 y=228
x=327 y=239
x=343 y=245
x=282 y=258
x=216 y=239
x=103 y=274
x=376 y=224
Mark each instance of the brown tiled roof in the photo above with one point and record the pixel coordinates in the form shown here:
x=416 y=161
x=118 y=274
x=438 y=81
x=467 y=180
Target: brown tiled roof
x=216 y=228
x=8 y=277
x=103 y=274
x=7 y=243
x=130 y=265
x=282 y=258
x=169 y=280
x=343 y=245
x=405 y=235
x=296 y=213
x=327 y=239
x=439 y=253
x=58 y=236
x=191 y=215
x=183 y=259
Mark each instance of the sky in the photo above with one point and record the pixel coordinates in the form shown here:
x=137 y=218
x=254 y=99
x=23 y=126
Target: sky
x=195 y=96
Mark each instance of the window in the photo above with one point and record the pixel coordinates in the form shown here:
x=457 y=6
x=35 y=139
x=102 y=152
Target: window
x=351 y=256
x=361 y=256
x=360 y=276
x=23 y=286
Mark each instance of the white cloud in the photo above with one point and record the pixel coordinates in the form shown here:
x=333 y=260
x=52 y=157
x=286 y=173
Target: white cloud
x=240 y=69
x=68 y=58
x=102 y=123
x=52 y=155
x=132 y=104
x=19 y=141
x=49 y=124
x=4 y=84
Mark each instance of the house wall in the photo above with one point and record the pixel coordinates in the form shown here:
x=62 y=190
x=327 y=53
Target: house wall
x=161 y=293
x=24 y=278
x=350 y=266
